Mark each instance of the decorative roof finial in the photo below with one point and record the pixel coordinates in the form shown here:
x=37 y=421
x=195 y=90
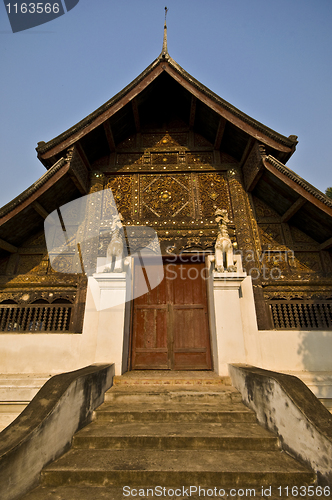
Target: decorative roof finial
x=164 y=52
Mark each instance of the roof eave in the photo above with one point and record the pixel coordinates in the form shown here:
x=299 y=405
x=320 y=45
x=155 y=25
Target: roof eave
x=165 y=63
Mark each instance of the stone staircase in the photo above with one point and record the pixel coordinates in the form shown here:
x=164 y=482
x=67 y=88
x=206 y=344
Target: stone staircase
x=174 y=430
x=16 y=391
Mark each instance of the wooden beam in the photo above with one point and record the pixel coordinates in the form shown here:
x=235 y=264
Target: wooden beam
x=82 y=155
x=109 y=135
x=293 y=209
x=136 y=115
x=326 y=245
x=78 y=183
x=220 y=132
x=40 y=209
x=253 y=181
x=8 y=246
x=246 y=152
x=192 y=112
x=253 y=167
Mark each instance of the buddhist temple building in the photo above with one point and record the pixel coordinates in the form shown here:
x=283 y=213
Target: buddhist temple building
x=181 y=168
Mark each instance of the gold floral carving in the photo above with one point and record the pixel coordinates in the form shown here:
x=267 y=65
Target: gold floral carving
x=164 y=158
x=205 y=158
x=121 y=186
x=271 y=234
x=31 y=264
x=165 y=196
x=264 y=211
x=308 y=262
x=164 y=141
x=300 y=237
x=129 y=159
x=213 y=190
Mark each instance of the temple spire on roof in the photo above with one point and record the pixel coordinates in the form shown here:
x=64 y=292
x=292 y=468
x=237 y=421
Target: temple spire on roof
x=164 y=53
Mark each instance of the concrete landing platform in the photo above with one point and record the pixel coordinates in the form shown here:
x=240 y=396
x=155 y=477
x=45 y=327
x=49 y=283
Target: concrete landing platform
x=169 y=377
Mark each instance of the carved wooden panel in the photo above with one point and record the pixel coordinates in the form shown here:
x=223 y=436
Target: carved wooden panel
x=165 y=141
x=129 y=159
x=263 y=211
x=3 y=266
x=271 y=235
x=36 y=241
x=253 y=166
x=199 y=158
x=166 y=196
x=275 y=265
x=121 y=186
x=213 y=192
x=300 y=237
x=308 y=262
x=31 y=264
x=164 y=158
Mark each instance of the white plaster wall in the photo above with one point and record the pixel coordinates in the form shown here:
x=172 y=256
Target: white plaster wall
x=234 y=337
x=110 y=329
x=229 y=340
x=233 y=322
x=294 y=350
x=100 y=342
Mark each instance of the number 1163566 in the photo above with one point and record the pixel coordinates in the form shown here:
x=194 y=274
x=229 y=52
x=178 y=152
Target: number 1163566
x=33 y=8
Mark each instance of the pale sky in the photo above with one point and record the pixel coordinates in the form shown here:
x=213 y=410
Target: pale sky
x=272 y=59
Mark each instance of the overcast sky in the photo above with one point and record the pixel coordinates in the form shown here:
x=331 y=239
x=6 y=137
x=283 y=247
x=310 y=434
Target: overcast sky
x=270 y=58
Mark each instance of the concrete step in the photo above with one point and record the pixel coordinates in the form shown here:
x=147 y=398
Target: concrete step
x=21 y=387
x=327 y=402
x=142 y=467
x=177 y=394
x=171 y=436
x=169 y=493
x=9 y=411
x=16 y=391
x=174 y=412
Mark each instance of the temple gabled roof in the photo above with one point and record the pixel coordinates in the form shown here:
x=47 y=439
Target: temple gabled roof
x=164 y=96
x=165 y=85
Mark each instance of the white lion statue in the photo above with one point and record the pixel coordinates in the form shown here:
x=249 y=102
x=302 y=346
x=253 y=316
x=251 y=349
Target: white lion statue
x=224 y=256
x=115 y=247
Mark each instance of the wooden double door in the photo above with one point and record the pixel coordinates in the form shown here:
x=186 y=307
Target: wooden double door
x=170 y=328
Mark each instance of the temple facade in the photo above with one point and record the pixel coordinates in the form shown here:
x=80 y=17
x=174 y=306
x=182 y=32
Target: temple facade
x=183 y=163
